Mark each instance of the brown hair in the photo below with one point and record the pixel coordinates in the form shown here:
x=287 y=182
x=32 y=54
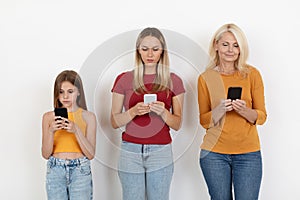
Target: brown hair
x=72 y=77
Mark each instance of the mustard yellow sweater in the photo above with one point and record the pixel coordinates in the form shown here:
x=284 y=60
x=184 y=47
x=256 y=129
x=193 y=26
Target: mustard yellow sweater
x=233 y=134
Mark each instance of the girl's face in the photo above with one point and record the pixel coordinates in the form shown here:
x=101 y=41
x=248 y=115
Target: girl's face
x=150 y=50
x=68 y=94
x=228 y=48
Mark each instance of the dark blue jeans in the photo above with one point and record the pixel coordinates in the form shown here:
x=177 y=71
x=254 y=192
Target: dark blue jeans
x=243 y=172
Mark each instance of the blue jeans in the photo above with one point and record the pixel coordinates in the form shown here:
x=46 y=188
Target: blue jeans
x=222 y=171
x=145 y=171
x=69 y=179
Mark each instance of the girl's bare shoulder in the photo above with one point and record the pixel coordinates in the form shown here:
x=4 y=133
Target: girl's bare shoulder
x=88 y=116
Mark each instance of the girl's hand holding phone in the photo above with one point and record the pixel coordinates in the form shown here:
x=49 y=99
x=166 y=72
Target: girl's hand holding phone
x=59 y=123
x=70 y=126
x=56 y=124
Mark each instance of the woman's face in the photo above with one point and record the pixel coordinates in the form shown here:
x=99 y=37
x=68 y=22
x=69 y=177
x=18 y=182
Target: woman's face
x=68 y=94
x=150 y=50
x=228 y=48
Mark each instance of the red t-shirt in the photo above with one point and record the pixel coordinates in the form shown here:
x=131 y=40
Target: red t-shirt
x=148 y=128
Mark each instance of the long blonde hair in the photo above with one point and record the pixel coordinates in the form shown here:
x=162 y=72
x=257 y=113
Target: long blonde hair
x=241 y=63
x=162 y=81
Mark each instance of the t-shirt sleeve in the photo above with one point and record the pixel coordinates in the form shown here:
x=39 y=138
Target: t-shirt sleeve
x=119 y=83
x=178 y=87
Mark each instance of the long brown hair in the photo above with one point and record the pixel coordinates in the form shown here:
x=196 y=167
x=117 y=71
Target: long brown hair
x=72 y=77
x=162 y=80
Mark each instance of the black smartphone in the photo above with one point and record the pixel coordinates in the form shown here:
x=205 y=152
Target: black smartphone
x=62 y=112
x=234 y=93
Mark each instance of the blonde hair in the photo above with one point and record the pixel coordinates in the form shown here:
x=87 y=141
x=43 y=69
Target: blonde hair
x=162 y=81
x=241 y=63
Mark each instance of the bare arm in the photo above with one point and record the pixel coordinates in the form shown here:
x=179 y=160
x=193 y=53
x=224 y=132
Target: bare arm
x=86 y=142
x=118 y=117
x=47 y=134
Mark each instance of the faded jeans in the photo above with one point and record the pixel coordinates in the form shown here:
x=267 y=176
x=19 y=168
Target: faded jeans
x=69 y=179
x=145 y=171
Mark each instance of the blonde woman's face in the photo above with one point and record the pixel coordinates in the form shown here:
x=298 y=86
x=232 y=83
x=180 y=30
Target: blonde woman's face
x=150 y=50
x=228 y=48
x=68 y=94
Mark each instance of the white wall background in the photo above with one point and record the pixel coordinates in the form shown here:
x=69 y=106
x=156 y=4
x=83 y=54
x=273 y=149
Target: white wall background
x=38 y=39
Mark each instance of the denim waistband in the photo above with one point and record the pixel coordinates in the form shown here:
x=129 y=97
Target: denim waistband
x=67 y=162
x=145 y=148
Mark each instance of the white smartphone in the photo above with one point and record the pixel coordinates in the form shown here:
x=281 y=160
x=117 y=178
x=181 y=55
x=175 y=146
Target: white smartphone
x=148 y=98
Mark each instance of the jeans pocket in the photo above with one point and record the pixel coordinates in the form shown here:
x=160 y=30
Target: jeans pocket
x=85 y=169
x=203 y=154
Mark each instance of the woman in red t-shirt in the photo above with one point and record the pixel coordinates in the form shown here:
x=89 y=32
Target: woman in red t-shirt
x=146 y=160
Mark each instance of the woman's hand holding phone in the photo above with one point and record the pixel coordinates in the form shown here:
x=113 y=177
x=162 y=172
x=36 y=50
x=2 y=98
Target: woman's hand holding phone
x=140 y=109
x=157 y=107
x=218 y=112
x=239 y=105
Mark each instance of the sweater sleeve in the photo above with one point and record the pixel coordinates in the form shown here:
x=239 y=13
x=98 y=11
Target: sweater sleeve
x=205 y=114
x=258 y=97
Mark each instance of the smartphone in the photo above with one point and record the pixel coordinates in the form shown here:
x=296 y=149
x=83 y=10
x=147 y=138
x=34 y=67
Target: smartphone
x=234 y=93
x=149 y=98
x=62 y=112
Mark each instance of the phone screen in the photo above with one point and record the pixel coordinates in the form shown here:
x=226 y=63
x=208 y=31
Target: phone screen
x=148 y=98
x=234 y=93
x=62 y=112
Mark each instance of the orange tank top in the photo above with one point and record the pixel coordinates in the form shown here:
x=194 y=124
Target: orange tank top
x=65 y=141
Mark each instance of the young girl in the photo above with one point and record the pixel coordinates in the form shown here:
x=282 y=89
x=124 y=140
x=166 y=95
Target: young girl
x=69 y=143
x=146 y=163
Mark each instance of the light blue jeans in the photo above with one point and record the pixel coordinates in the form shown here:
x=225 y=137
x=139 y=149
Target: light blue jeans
x=222 y=171
x=69 y=179
x=145 y=171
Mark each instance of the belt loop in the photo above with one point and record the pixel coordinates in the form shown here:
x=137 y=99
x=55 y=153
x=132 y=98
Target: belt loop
x=53 y=161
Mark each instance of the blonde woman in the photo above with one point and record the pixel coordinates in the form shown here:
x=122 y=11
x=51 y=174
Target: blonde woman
x=68 y=142
x=146 y=163
x=231 y=104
